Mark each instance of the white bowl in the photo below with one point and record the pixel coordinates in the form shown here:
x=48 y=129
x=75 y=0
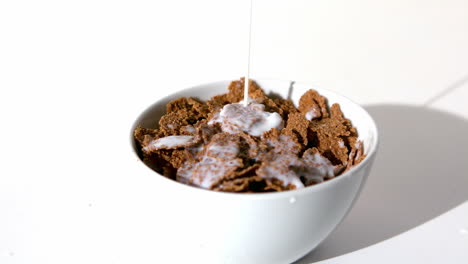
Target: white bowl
x=203 y=226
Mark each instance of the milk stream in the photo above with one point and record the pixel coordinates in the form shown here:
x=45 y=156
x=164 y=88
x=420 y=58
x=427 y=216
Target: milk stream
x=247 y=75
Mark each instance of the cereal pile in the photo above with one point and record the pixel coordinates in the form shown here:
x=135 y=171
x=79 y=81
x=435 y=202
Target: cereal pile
x=268 y=145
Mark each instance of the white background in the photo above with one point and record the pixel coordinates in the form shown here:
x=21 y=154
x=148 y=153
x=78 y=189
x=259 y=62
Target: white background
x=74 y=75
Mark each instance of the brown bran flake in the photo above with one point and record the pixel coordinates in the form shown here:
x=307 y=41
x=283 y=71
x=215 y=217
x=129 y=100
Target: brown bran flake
x=328 y=133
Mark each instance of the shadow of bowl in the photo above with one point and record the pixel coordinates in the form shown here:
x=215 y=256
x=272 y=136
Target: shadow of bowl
x=419 y=174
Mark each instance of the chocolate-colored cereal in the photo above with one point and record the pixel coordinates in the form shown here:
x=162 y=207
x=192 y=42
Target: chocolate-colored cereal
x=275 y=185
x=279 y=167
x=172 y=122
x=299 y=125
x=351 y=158
x=188 y=130
x=289 y=142
x=200 y=109
x=285 y=141
x=205 y=131
x=249 y=146
x=217 y=160
x=304 y=147
x=359 y=153
x=159 y=164
x=286 y=106
x=314 y=105
x=196 y=108
x=272 y=134
x=245 y=184
x=238 y=177
x=336 y=113
x=144 y=135
x=271 y=106
x=177 y=104
x=334 y=135
x=332 y=147
x=217 y=102
x=175 y=157
x=236 y=91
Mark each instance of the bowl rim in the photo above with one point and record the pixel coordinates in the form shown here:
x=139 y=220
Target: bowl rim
x=268 y=195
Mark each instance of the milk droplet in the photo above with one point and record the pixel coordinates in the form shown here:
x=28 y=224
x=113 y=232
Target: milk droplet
x=292 y=200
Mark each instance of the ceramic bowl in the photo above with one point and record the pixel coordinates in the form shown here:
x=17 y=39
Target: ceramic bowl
x=202 y=226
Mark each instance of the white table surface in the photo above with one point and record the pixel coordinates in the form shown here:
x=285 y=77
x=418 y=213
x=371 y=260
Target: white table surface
x=74 y=75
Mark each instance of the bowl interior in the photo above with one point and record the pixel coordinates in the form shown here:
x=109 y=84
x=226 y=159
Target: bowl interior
x=363 y=122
